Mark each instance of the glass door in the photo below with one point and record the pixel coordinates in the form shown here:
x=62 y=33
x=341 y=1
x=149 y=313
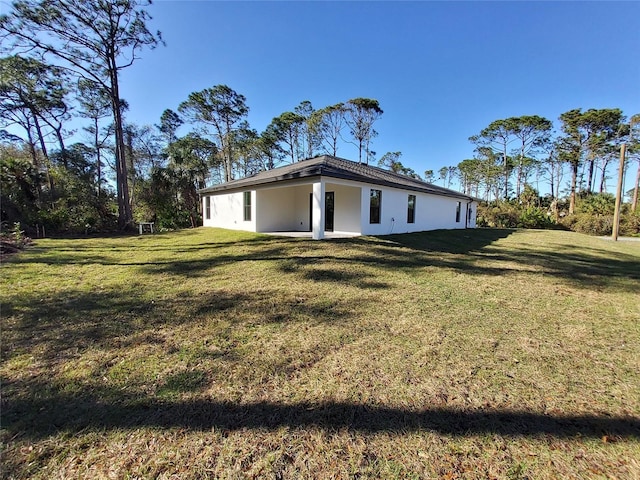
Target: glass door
x=328 y=211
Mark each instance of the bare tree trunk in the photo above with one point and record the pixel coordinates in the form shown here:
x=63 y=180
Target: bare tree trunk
x=603 y=177
x=228 y=161
x=634 y=203
x=122 y=185
x=57 y=128
x=572 y=197
x=590 y=175
x=32 y=149
x=130 y=159
x=98 y=157
x=43 y=146
x=506 y=173
x=559 y=175
x=63 y=148
x=36 y=163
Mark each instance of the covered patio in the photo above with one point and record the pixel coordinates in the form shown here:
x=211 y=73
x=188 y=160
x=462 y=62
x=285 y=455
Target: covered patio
x=316 y=209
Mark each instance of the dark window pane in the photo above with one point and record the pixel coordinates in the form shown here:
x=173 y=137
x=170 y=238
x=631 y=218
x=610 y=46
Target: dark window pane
x=247 y=206
x=375 y=201
x=411 y=209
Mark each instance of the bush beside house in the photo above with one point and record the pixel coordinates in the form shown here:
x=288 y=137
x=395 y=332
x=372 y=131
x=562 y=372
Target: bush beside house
x=593 y=215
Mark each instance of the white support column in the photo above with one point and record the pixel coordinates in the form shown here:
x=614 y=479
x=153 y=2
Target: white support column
x=318 y=210
x=365 y=196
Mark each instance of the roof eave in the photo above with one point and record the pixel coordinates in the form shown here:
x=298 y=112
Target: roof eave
x=225 y=187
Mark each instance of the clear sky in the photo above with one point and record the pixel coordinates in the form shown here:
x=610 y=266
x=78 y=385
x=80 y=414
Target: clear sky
x=442 y=71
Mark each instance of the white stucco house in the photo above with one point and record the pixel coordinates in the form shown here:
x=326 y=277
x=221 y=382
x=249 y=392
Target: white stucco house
x=330 y=194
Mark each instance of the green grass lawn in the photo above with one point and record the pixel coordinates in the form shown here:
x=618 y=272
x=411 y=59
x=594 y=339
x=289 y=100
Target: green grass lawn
x=216 y=354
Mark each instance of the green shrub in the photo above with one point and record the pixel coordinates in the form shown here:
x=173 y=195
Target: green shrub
x=509 y=215
x=535 y=217
x=630 y=224
x=18 y=235
x=498 y=215
x=596 y=204
x=594 y=216
x=55 y=219
x=595 y=224
x=589 y=223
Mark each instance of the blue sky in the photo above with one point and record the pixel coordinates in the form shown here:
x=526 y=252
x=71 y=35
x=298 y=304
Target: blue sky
x=441 y=71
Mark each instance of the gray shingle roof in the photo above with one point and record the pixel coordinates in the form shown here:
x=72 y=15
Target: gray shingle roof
x=334 y=167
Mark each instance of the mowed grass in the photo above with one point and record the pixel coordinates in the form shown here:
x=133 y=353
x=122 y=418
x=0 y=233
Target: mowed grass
x=215 y=354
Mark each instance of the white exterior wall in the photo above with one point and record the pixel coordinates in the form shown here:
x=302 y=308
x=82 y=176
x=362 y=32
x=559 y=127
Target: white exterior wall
x=432 y=212
x=286 y=208
x=301 y=207
x=275 y=210
x=346 y=217
x=227 y=211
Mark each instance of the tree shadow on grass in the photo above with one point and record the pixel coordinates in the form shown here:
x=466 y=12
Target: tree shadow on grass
x=42 y=414
x=473 y=252
x=83 y=254
x=448 y=241
x=356 y=279
x=476 y=253
x=78 y=320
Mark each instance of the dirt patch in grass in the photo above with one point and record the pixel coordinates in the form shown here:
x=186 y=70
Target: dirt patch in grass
x=209 y=353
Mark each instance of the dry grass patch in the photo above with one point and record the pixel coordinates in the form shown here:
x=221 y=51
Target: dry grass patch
x=216 y=354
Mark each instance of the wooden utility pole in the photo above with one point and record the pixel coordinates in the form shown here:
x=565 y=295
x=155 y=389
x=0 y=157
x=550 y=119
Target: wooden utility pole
x=616 y=213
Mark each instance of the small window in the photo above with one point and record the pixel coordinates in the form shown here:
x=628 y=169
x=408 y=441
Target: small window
x=458 y=209
x=470 y=214
x=374 y=206
x=207 y=207
x=411 y=209
x=247 y=206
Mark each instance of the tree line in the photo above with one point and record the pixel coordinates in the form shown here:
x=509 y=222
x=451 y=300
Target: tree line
x=219 y=115
x=518 y=154
x=53 y=45
x=62 y=65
